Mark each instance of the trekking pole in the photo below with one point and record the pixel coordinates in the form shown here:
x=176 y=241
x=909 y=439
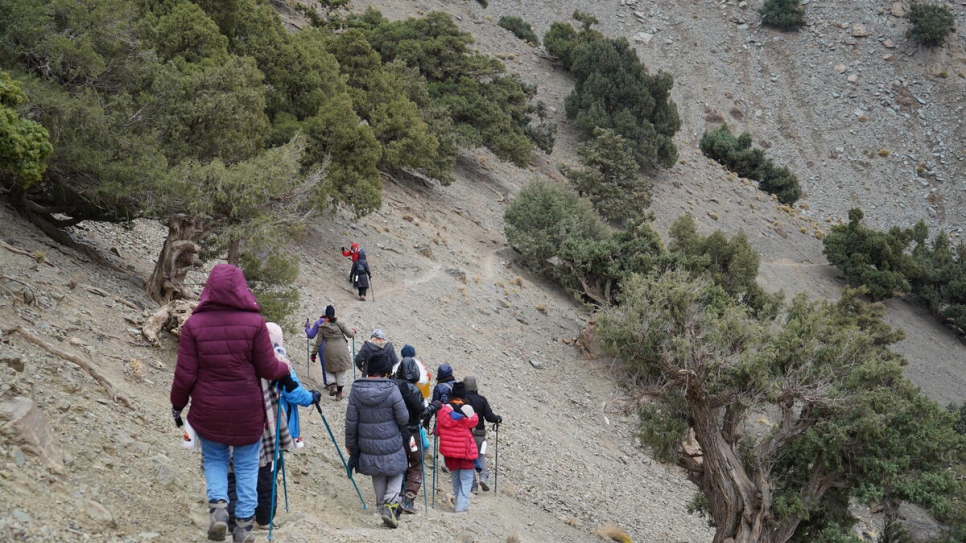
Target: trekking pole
x=344 y=465
x=353 y=359
x=422 y=471
x=281 y=461
x=372 y=288
x=435 y=461
x=496 y=457
x=275 y=457
x=308 y=358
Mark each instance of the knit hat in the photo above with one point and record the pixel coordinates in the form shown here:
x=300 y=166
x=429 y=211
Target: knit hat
x=378 y=364
x=377 y=333
x=459 y=390
x=275 y=334
x=408 y=351
x=445 y=372
x=470 y=383
x=329 y=312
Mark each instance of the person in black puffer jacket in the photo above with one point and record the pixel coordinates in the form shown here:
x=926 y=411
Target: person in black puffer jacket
x=407 y=375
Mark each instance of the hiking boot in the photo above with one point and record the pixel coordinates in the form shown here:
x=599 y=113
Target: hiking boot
x=332 y=390
x=407 y=506
x=362 y=297
x=484 y=484
x=243 y=530
x=391 y=516
x=338 y=396
x=218 y=526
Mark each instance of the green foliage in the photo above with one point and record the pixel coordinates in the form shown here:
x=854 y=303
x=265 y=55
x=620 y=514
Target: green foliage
x=380 y=98
x=520 y=28
x=731 y=264
x=614 y=90
x=739 y=156
x=845 y=415
x=24 y=144
x=610 y=177
x=940 y=283
x=338 y=138
x=931 y=23
x=873 y=259
x=186 y=33
x=783 y=14
x=271 y=278
x=476 y=101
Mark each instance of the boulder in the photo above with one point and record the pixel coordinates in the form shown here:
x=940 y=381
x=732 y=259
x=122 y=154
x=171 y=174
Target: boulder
x=22 y=423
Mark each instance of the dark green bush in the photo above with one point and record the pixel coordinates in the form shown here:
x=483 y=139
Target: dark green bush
x=520 y=28
x=783 y=14
x=941 y=282
x=876 y=260
x=614 y=90
x=931 y=24
x=562 y=39
x=739 y=156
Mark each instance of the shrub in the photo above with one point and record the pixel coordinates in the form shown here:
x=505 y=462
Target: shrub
x=783 y=14
x=614 y=90
x=737 y=155
x=876 y=260
x=520 y=28
x=931 y=24
x=562 y=39
x=941 y=283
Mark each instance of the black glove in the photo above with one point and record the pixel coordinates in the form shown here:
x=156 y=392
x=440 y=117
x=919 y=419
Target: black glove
x=343 y=249
x=288 y=383
x=352 y=464
x=316 y=396
x=313 y=357
x=499 y=419
x=176 y=414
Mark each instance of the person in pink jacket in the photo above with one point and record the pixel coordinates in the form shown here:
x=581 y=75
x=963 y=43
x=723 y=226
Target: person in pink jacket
x=454 y=426
x=223 y=351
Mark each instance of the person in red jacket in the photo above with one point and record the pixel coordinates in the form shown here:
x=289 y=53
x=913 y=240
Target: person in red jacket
x=223 y=351
x=355 y=253
x=454 y=424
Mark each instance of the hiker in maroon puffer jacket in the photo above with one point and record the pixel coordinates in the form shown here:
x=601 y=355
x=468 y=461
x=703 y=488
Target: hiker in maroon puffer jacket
x=223 y=351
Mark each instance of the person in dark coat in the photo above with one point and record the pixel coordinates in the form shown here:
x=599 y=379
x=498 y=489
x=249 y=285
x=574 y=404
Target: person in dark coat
x=482 y=408
x=376 y=347
x=361 y=276
x=375 y=413
x=407 y=375
x=353 y=252
x=223 y=351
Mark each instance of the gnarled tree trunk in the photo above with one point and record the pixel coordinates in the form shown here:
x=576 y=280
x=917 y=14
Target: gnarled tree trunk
x=178 y=255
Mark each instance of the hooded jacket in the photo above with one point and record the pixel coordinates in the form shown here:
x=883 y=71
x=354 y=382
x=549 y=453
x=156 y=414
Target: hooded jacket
x=336 y=353
x=455 y=438
x=407 y=375
x=375 y=413
x=224 y=349
x=480 y=405
x=371 y=349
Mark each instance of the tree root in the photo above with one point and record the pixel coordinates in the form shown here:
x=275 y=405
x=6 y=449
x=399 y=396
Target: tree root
x=170 y=317
x=114 y=396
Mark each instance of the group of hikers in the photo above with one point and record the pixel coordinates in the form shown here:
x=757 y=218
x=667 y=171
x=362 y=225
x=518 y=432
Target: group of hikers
x=244 y=395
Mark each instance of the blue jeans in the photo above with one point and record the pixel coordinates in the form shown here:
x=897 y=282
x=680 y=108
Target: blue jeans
x=462 y=481
x=244 y=461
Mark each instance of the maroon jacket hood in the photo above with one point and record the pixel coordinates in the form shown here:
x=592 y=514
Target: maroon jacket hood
x=226 y=287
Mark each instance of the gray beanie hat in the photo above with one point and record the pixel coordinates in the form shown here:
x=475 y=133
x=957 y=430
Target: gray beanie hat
x=470 y=383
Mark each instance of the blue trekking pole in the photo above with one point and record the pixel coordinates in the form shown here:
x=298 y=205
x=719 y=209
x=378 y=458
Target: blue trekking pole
x=344 y=465
x=422 y=472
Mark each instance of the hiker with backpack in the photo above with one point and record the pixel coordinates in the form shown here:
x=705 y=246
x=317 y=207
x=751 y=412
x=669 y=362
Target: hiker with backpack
x=454 y=423
x=482 y=408
x=408 y=351
x=441 y=393
x=223 y=350
x=376 y=347
x=333 y=348
x=375 y=413
x=407 y=375
x=361 y=276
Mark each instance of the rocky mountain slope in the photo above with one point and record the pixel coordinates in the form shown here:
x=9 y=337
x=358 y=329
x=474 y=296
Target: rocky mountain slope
x=112 y=467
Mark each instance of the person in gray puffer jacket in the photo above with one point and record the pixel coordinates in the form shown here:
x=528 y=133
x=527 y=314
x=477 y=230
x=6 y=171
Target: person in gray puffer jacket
x=373 y=419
